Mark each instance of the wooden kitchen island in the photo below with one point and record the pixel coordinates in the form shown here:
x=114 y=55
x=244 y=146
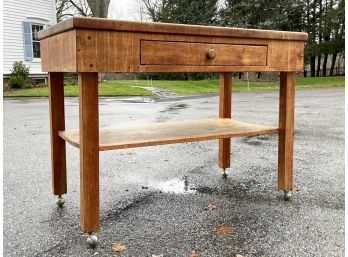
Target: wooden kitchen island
x=90 y=45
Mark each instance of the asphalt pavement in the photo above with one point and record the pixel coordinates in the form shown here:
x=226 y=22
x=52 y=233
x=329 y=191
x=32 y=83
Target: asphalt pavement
x=171 y=200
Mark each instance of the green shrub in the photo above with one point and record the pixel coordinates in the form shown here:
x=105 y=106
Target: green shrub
x=19 y=69
x=19 y=75
x=17 y=82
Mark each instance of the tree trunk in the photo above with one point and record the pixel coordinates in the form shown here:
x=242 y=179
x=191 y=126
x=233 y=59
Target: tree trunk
x=334 y=57
x=324 y=64
x=320 y=30
x=312 y=64
x=240 y=75
x=318 y=65
x=99 y=8
x=327 y=33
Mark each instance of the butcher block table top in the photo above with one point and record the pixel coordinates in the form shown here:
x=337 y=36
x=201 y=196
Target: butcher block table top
x=102 y=45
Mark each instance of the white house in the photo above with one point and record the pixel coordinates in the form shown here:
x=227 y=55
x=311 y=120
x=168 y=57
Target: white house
x=22 y=19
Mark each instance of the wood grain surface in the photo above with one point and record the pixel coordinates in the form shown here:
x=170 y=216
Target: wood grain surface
x=57 y=123
x=58 y=53
x=128 y=136
x=191 y=54
x=89 y=152
x=225 y=109
x=286 y=130
x=83 y=50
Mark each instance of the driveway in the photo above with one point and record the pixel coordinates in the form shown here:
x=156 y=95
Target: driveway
x=172 y=200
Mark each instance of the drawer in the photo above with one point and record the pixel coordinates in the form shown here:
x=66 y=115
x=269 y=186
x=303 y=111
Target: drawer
x=195 y=54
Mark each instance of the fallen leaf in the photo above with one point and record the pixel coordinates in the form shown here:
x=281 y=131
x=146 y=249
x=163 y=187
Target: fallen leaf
x=118 y=246
x=209 y=207
x=222 y=229
x=193 y=254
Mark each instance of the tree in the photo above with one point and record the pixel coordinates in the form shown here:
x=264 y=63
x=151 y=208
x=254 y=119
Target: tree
x=327 y=20
x=99 y=8
x=320 y=35
x=87 y=8
x=201 y=12
x=263 y=14
x=338 y=32
x=62 y=8
x=325 y=26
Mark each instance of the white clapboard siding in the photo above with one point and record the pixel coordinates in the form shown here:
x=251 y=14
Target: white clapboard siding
x=14 y=14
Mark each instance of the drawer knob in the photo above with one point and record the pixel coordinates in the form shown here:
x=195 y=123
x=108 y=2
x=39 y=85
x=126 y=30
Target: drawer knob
x=211 y=54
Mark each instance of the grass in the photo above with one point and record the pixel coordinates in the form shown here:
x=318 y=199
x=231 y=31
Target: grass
x=212 y=86
x=126 y=87
x=105 y=89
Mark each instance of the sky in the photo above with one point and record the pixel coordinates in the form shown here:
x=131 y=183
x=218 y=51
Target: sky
x=125 y=9
x=129 y=9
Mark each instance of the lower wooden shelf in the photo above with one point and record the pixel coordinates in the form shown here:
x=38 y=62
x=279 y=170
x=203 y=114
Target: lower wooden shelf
x=129 y=136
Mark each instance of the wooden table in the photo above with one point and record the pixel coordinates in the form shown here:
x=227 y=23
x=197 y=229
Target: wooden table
x=90 y=45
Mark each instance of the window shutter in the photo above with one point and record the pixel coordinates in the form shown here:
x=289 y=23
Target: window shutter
x=27 y=41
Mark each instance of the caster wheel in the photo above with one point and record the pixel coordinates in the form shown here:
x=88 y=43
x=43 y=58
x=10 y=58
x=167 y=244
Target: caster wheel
x=287 y=195
x=92 y=241
x=224 y=174
x=60 y=201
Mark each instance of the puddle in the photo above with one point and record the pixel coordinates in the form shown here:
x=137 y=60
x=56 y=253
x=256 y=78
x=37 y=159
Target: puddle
x=175 y=186
x=257 y=140
x=171 y=110
x=205 y=190
x=175 y=107
x=251 y=141
x=183 y=186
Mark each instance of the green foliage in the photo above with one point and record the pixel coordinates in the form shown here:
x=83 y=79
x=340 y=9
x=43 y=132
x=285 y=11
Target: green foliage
x=324 y=23
x=19 y=69
x=182 y=11
x=19 y=75
x=17 y=82
x=263 y=14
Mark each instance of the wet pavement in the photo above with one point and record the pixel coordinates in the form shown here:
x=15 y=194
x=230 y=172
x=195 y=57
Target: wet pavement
x=155 y=199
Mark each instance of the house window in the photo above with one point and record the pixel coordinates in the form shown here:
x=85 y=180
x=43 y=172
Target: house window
x=35 y=28
x=31 y=43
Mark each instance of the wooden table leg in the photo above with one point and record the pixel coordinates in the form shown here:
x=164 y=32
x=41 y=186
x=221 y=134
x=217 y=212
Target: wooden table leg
x=286 y=130
x=57 y=123
x=225 y=112
x=89 y=151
